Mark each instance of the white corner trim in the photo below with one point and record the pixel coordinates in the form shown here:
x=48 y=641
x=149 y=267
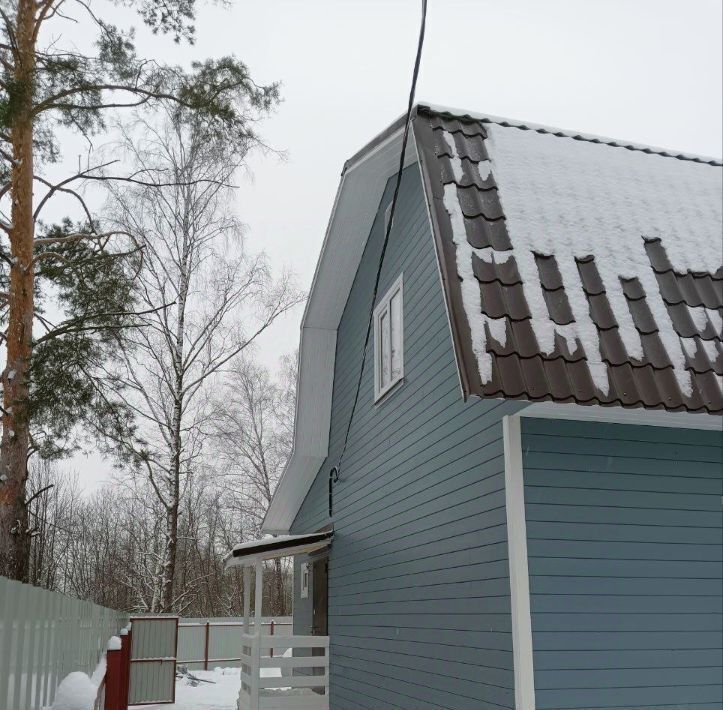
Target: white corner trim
x=519 y=571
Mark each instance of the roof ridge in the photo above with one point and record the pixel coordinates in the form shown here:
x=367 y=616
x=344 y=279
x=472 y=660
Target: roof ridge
x=473 y=117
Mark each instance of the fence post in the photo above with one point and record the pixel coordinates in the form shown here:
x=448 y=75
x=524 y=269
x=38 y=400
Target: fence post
x=113 y=677
x=271 y=633
x=205 y=651
x=125 y=667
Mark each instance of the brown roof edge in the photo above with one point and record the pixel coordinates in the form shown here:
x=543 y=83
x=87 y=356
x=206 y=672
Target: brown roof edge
x=444 y=247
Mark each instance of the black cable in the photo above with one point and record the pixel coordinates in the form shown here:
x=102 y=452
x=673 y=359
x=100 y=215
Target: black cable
x=412 y=91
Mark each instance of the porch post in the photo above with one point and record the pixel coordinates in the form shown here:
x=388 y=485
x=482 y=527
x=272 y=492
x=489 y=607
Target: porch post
x=247 y=597
x=259 y=595
x=256 y=643
x=247 y=648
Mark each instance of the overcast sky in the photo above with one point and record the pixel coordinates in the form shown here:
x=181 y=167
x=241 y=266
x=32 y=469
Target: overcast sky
x=643 y=70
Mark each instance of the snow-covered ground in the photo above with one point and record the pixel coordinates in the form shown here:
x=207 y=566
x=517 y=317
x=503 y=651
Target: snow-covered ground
x=220 y=694
x=78 y=691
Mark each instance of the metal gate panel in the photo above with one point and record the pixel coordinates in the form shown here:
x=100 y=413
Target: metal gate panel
x=154 y=640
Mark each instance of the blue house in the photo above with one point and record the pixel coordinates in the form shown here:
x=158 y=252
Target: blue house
x=525 y=510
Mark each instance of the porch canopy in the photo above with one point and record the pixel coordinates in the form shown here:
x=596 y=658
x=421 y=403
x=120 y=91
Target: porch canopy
x=254 y=553
x=248 y=554
x=309 y=688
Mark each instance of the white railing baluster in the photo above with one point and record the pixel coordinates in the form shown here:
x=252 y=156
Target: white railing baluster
x=255 y=671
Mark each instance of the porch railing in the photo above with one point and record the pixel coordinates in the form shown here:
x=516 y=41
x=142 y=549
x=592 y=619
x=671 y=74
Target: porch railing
x=295 y=677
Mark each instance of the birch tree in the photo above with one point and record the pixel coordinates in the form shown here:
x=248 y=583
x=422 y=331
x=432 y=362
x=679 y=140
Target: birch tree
x=47 y=84
x=222 y=298
x=253 y=423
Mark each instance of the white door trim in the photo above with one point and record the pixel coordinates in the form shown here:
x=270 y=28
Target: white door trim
x=519 y=571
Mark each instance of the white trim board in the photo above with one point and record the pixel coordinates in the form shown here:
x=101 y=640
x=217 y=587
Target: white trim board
x=519 y=570
x=620 y=415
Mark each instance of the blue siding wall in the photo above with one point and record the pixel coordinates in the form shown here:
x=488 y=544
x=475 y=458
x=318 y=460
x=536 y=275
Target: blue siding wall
x=419 y=613
x=625 y=544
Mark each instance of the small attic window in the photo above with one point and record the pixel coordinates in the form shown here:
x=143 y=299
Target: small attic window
x=389 y=340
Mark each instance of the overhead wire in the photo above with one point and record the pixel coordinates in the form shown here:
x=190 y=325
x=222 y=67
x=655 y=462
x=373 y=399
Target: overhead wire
x=335 y=472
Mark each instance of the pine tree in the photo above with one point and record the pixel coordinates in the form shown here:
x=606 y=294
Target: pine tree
x=47 y=87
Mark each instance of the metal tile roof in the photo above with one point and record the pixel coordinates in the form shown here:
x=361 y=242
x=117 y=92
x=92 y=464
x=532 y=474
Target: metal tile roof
x=649 y=335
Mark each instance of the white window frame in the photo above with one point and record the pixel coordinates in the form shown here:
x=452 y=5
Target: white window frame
x=304 y=581
x=382 y=308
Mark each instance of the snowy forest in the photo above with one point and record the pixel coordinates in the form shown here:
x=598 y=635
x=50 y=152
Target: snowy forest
x=107 y=546
x=132 y=300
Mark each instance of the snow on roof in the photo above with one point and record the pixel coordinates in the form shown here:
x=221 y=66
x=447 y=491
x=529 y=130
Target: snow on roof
x=426 y=107
x=248 y=553
x=577 y=269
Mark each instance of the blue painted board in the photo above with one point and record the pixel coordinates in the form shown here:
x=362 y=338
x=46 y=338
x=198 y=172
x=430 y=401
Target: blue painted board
x=625 y=553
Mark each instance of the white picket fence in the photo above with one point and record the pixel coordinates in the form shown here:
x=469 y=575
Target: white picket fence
x=43 y=637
